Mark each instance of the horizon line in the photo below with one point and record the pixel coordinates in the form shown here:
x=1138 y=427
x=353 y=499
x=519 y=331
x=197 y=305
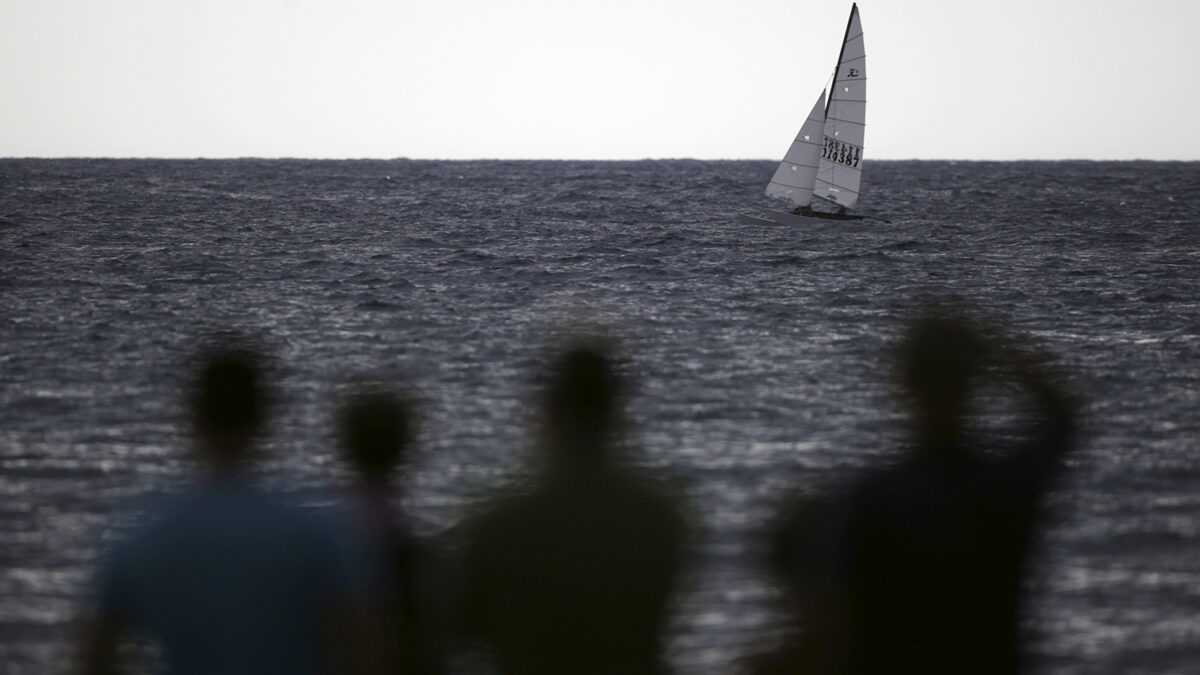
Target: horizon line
x=556 y=159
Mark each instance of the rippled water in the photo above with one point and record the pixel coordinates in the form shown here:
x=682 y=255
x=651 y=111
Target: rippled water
x=757 y=351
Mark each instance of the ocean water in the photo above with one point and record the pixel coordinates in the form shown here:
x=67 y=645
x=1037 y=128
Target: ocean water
x=758 y=353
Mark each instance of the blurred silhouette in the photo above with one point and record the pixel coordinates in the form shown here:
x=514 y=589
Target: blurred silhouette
x=225 y=577
x=377 y=431
x=934 y=548
x=575 y=576
x=800 y=557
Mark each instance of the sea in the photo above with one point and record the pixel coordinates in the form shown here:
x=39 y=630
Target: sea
x=757 y=355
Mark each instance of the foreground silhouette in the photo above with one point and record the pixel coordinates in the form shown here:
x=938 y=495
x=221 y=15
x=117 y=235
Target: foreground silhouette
x=800 y=556
x=575 y=576
x=377 y=429
x=225 y=577
x=934 y=549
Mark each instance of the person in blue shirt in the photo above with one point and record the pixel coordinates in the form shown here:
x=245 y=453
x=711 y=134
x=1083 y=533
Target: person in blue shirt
x=224 y=576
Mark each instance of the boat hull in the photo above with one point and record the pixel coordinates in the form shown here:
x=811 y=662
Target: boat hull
x=788 y=218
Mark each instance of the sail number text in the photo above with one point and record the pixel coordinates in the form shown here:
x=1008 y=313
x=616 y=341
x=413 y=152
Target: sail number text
x=841 y=153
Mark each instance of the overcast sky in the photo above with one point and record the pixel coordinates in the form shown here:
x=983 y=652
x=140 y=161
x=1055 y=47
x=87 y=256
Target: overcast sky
x=592 y=79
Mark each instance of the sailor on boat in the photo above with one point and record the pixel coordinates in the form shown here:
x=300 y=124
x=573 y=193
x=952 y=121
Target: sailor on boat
x=840 y=214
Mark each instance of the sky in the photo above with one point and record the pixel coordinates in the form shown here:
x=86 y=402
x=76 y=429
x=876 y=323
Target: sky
x=592 y=79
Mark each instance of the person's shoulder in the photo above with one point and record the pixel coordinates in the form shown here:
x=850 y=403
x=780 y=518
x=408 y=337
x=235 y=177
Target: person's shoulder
x=884 y=492
x=499 y=513
x=152 y=516
x=655 y=498
x=643 y=503
x=872 y=483
x=309 y=522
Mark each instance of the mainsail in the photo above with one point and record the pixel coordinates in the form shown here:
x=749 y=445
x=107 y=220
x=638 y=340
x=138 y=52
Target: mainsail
x=840 y=166
x=794 y=178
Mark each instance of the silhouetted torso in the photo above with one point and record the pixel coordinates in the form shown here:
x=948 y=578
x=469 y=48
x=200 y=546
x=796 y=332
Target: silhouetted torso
x=801 y=557
x=933 y=559
x=230 y=580
x=575 y=577
x=376 y=425
x=399 y=575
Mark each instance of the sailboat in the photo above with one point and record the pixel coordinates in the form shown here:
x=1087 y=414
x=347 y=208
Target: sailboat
x=825 y=161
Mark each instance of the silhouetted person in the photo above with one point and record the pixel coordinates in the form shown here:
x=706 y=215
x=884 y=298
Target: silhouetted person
x=377 y=428
x=575 y=576
x=226 y=578
x=935 y=547
x=801 y=558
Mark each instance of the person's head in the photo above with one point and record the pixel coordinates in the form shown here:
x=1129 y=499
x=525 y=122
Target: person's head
x=938 y=356
x=581 y=399
x=376 y=428
x=228 y=403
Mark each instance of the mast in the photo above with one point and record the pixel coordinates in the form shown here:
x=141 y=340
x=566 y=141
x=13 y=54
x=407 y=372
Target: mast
x=842 y=51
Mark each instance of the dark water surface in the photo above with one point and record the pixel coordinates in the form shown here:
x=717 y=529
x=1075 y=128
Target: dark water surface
x=758 y=351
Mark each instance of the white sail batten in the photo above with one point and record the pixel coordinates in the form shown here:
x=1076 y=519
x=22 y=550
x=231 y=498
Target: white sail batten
x=840 y=158
x=797 y=173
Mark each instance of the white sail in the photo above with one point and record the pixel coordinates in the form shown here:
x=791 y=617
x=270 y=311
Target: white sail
x=840 y=170
x=794 y=178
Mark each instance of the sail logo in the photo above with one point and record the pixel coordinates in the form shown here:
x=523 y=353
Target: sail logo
x=841 y=153
x=853 y=72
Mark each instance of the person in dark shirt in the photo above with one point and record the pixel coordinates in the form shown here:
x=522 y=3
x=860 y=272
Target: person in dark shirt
x=800 y=559
x=377 y=427
x=575 y=576
x=934 y=549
